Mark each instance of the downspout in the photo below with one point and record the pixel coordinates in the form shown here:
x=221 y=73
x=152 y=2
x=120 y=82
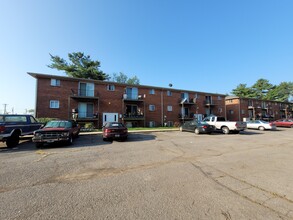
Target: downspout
x=162 y=107
x=239 y=110
x=36 y=99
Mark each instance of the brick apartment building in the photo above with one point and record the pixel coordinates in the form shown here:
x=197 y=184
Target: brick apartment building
x=240 y=108
x=97 y=101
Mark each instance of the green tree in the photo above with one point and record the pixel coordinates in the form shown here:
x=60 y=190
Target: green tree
x=123 y=78
x=261 y=88
x=80 y=66
x=281 y=92
x=243 y=91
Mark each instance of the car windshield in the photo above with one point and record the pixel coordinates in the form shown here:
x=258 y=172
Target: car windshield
x=58 y=124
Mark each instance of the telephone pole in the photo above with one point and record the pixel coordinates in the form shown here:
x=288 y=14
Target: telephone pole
x=5 y=105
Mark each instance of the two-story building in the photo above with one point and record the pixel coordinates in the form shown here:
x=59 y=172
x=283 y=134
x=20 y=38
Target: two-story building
x=240 y=108
x=96 y=101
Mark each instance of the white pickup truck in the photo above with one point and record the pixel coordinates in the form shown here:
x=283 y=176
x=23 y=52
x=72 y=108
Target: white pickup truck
x=226 y=126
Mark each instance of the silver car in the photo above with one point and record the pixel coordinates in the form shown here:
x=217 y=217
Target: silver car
x=261 y=125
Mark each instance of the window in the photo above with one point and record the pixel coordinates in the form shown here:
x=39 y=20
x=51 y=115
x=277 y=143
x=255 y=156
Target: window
x=86 y=89
x=55 y=82
x=169 y=108
x=219 y=98
x=15 y=119
x=85 y=110
x=33 y=120
x=54 y=104
x=111 y=87
x=242 y=112
x=169 y=93
x=185 y=95
x=132 y=93
x=151 y=108
x=152 y=91
x=231 y=112
x=220 y=110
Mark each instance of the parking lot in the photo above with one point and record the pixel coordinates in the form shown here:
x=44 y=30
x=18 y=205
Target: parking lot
x=153 y=175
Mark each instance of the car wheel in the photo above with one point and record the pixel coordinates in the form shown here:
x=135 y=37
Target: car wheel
x=196 y=131
x=13 y=140
x=291 y=126
x=225 y=130
x=70 y=140
x=105 y=139
x=261 y=128
x=39 y=145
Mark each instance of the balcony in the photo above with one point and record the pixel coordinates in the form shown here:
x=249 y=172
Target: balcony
x=133 y=117
x=84 y=94
x=186 y=101
x=132 y=98
x=210 y=103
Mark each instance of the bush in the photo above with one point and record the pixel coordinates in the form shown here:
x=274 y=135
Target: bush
x=45 y=120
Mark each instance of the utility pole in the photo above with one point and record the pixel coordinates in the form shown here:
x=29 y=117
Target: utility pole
x=5 y=105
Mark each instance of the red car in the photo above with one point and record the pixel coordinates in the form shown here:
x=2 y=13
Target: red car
x=284 y=123
x=56 y=131
x=114 y=130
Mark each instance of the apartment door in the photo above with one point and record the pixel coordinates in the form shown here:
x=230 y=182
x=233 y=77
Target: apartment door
x=110 y=117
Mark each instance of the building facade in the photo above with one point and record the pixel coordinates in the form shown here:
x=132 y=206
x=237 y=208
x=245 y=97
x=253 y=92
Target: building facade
x=97 y=102
x=249 y=108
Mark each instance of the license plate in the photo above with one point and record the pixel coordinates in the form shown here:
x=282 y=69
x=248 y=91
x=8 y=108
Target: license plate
x=117 y=135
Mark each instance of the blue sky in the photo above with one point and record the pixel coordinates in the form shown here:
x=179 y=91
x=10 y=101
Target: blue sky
x=201 y=45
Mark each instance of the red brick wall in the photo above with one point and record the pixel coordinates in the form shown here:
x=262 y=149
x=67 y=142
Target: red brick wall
x=112 y=101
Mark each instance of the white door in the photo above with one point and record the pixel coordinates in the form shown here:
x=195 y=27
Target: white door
x=110 y=117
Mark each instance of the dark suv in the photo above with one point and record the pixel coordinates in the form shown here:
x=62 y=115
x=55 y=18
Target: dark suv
x=14 y=126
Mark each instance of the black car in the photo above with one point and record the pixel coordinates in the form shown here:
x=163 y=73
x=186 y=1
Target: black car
x=115 y=130
x=197 y=127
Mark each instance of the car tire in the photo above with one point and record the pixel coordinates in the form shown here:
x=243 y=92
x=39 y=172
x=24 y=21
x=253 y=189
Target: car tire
x=196 y=131
x=105 y=139
x=261 y=128
x=291 y=126
x=70 y=140
x=39 y=145
x=12 y=141
x=225 y=130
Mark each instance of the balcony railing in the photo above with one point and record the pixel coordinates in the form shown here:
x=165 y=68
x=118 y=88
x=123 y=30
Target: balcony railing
x=84 y=93
x=210 y=102
x=133 y=117
x=185 y=101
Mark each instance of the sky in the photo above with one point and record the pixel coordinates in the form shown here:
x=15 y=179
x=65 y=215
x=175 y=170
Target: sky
x=199 y=45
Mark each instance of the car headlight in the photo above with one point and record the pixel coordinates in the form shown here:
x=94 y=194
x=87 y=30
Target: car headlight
x=65 y=134
x=37 y=134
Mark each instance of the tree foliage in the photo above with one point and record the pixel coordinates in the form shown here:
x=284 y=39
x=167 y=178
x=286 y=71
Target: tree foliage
x=122 y=78
x=263 y=89
x=80 y=66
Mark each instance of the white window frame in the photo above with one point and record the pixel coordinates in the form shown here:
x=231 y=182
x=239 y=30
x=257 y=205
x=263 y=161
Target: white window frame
x=169 y=108
x=54 y=104
x=152 y=108
x=55 y=82
x=111 y=87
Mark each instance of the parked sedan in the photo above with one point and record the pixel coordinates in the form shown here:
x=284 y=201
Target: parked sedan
x=56 y=131
x=197 y=127
x=261 y=125
x=114 y=130
x=284 y=123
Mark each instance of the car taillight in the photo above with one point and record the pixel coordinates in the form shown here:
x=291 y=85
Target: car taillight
x=205 y=126
x=107 y=130
x=272 y=124
x=2 y=128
